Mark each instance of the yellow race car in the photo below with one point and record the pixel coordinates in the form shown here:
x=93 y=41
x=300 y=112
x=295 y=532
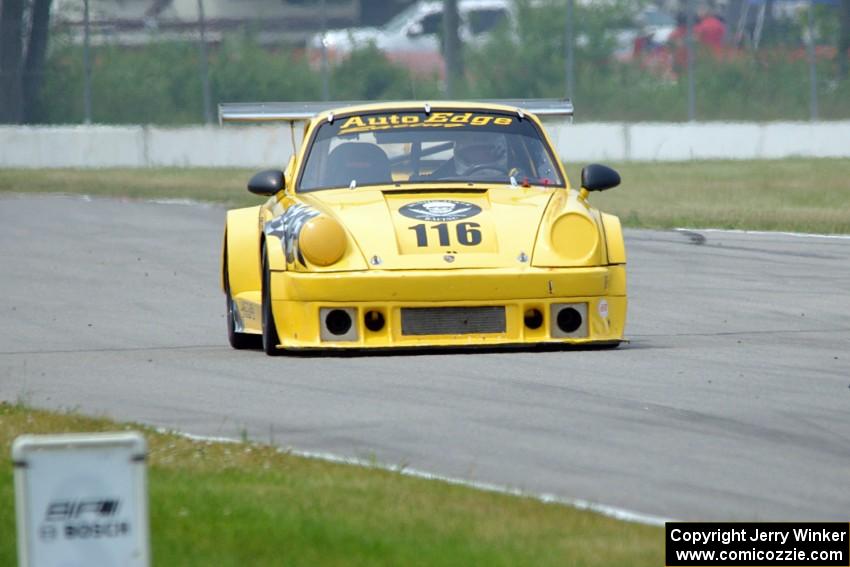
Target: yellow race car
x=413 y=224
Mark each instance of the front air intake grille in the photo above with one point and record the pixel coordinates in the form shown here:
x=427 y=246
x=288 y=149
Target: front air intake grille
x=452 y=320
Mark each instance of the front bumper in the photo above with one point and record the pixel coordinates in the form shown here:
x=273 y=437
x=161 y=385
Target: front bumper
x=300 y=301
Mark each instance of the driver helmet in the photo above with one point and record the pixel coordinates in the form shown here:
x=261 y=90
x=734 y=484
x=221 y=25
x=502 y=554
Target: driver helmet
x=478 y=149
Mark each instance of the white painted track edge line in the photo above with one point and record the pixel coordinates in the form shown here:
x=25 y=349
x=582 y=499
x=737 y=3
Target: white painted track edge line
x=765 y=233
x=545 y=497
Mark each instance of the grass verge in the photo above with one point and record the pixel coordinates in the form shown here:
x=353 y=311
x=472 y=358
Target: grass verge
x=204 y=184
x=807 y=195
x=802 y=195
x=248 y=504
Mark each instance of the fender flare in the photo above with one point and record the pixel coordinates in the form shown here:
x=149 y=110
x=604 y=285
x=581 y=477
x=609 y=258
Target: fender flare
x=614 y=239
x=241 y=251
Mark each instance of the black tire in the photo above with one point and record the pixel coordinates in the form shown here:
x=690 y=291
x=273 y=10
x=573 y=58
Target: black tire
x=607 y=346
x=270 y=338
x=239 y=341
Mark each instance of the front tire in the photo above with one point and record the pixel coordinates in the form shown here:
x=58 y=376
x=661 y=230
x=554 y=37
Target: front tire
x=270 y=338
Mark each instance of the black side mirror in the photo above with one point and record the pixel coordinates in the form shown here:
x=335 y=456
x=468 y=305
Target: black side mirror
x=597 y=177
x=266 y=182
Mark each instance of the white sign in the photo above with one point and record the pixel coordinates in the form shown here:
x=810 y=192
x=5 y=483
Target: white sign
x=81 y=500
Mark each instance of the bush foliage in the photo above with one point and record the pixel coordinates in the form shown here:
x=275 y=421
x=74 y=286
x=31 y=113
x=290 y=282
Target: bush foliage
x=161 y=83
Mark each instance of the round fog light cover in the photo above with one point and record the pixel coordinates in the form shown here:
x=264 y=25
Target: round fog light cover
x=322 y=241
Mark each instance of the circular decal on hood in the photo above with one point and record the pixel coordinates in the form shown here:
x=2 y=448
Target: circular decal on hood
x=440 y=210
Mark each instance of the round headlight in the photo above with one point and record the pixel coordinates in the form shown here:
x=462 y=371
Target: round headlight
x=322 y=241
x=574 y=237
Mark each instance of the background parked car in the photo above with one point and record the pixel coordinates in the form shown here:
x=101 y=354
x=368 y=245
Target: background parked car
x=413 y=37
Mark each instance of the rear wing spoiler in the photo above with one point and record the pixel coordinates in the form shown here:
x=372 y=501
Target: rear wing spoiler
x=304 y=111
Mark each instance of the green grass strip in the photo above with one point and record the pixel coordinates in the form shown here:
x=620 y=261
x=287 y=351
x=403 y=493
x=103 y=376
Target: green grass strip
x=250 y=504
x=802 y=195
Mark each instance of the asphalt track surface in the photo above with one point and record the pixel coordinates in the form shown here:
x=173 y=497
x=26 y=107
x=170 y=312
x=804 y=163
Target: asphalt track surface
x=731 y=402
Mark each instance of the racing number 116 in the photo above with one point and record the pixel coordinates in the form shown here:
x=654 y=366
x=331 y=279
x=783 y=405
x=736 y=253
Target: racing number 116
x=467 y=233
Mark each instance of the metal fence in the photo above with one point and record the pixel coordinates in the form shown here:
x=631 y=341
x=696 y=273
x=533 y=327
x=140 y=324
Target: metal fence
x=171 y=61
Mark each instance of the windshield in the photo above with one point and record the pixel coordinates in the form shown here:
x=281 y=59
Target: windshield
x=402 y=19
x=415 y=147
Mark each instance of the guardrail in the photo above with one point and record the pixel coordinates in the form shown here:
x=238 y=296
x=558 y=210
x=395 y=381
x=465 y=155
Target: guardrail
x=270 y=145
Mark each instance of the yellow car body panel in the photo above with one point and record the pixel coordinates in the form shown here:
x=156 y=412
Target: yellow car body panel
x=241 y=251
x=240 y=261
x=303 y=329
x=536 y=250
x=374 y=225
x=614 y=238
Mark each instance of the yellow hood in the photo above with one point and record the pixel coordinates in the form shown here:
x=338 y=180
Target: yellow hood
x=492 y=227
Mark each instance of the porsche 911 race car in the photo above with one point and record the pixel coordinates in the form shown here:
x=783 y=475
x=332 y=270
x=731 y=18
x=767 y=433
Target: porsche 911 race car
x=416 y=224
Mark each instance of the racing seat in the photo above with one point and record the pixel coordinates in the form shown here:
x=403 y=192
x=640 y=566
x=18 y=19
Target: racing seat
x=365 y=163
